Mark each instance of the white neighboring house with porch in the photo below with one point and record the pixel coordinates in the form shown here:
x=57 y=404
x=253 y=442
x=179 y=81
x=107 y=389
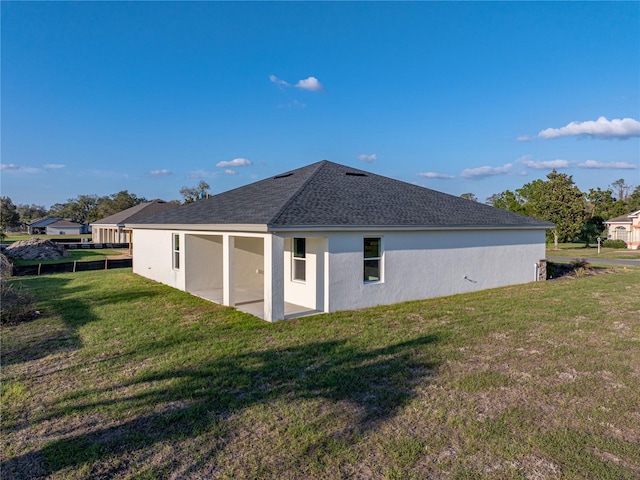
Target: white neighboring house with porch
x=626 y=228
x=112 y=229
x=328 y=237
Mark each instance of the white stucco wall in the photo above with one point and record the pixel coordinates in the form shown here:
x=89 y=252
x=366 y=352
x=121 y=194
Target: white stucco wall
x=64 y=230
x=248 y=257
x=309 y=293
x=418 y=265
x=203 y=261
x=152 y=257
x=415 y=265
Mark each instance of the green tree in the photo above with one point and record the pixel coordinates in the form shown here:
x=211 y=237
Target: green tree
x=507 y=200
x=633 y=201
x=81 y=209
x=591 y=229
x=469 y=196
x=557 y=200
x=116 y=203
x=621 y=189
x=192 y=194
x=29 y=213
x=601 y=203
x=8 y=214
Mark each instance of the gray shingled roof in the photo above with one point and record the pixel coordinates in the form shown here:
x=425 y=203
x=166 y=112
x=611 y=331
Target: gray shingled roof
x=621 y=219
x=43 y=222
x=327 y=194
x=64 y=223
x=135 y=213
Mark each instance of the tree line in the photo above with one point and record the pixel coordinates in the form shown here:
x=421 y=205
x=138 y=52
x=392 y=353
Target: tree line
x=85 y=208
x=577 y=215
x=81 y=209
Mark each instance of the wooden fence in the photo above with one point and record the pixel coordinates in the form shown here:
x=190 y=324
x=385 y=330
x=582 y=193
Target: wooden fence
x=68 y=267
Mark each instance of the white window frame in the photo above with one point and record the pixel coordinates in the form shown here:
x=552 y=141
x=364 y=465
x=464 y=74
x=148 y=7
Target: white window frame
x=379 y=258
x=295 y=259
x=175 y=248
x=621 y=233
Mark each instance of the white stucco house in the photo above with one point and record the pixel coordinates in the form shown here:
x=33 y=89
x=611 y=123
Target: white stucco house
x=112 y=229
x=626 y=228
x=328 y=237
x=39 y=226
x=65 y=227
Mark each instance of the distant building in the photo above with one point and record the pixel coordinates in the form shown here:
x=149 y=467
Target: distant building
x=39 y=227
x=112 y=229
x=626 y=228
x=66 y=227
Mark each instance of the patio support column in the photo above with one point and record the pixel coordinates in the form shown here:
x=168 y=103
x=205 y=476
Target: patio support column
x=273 y=278
x=228 y=284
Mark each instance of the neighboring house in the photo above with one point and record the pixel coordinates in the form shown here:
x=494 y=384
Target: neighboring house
x=39 y=227
x=625 y=227
x=328 y=237
x=65 y=227
x=112 y=229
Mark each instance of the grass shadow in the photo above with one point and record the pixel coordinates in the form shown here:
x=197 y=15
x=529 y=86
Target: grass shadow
x=377 y=383
x=41 y=339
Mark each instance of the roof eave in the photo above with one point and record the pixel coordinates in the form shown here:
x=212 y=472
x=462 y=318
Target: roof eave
x=217 y=227
x=401 y=228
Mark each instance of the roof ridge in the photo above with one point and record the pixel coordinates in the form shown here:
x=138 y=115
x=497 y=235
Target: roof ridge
x=297 y=193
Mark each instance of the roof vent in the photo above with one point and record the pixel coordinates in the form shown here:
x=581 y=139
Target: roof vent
x=284 y=175
x=356 y=174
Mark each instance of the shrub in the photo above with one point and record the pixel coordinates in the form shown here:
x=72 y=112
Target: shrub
x=614 y=244
x=580 y=263
x=16 y=304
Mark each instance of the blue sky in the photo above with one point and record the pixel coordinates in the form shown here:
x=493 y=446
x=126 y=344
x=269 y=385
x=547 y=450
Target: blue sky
x=99 y=97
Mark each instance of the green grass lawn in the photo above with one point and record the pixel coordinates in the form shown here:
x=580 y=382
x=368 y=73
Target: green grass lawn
x=121 y=377
x=79 y=255
x=14 y=237
x=578 y=250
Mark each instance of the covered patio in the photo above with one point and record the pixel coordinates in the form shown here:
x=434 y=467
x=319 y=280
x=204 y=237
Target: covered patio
x=241 y=270
x=252 y=302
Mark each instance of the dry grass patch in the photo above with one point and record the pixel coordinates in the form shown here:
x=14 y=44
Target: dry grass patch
x=125 y=378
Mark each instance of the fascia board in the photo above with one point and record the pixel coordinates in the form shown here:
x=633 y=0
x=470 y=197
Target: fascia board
x=402 y=228
x=215 y=227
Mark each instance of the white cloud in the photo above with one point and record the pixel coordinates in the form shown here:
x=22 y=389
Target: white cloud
x=236 y=162
x=161 y=172
x=442 y=176
x=54 y=166
x=611 y=165
x=486 y=171
x=17 y=169
x=368 y=158
x=277 y=81
x=199 y=174
x=309 y=83
x=601 y=128
x=524 y=138
x=544 y=164
x=228 y=171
